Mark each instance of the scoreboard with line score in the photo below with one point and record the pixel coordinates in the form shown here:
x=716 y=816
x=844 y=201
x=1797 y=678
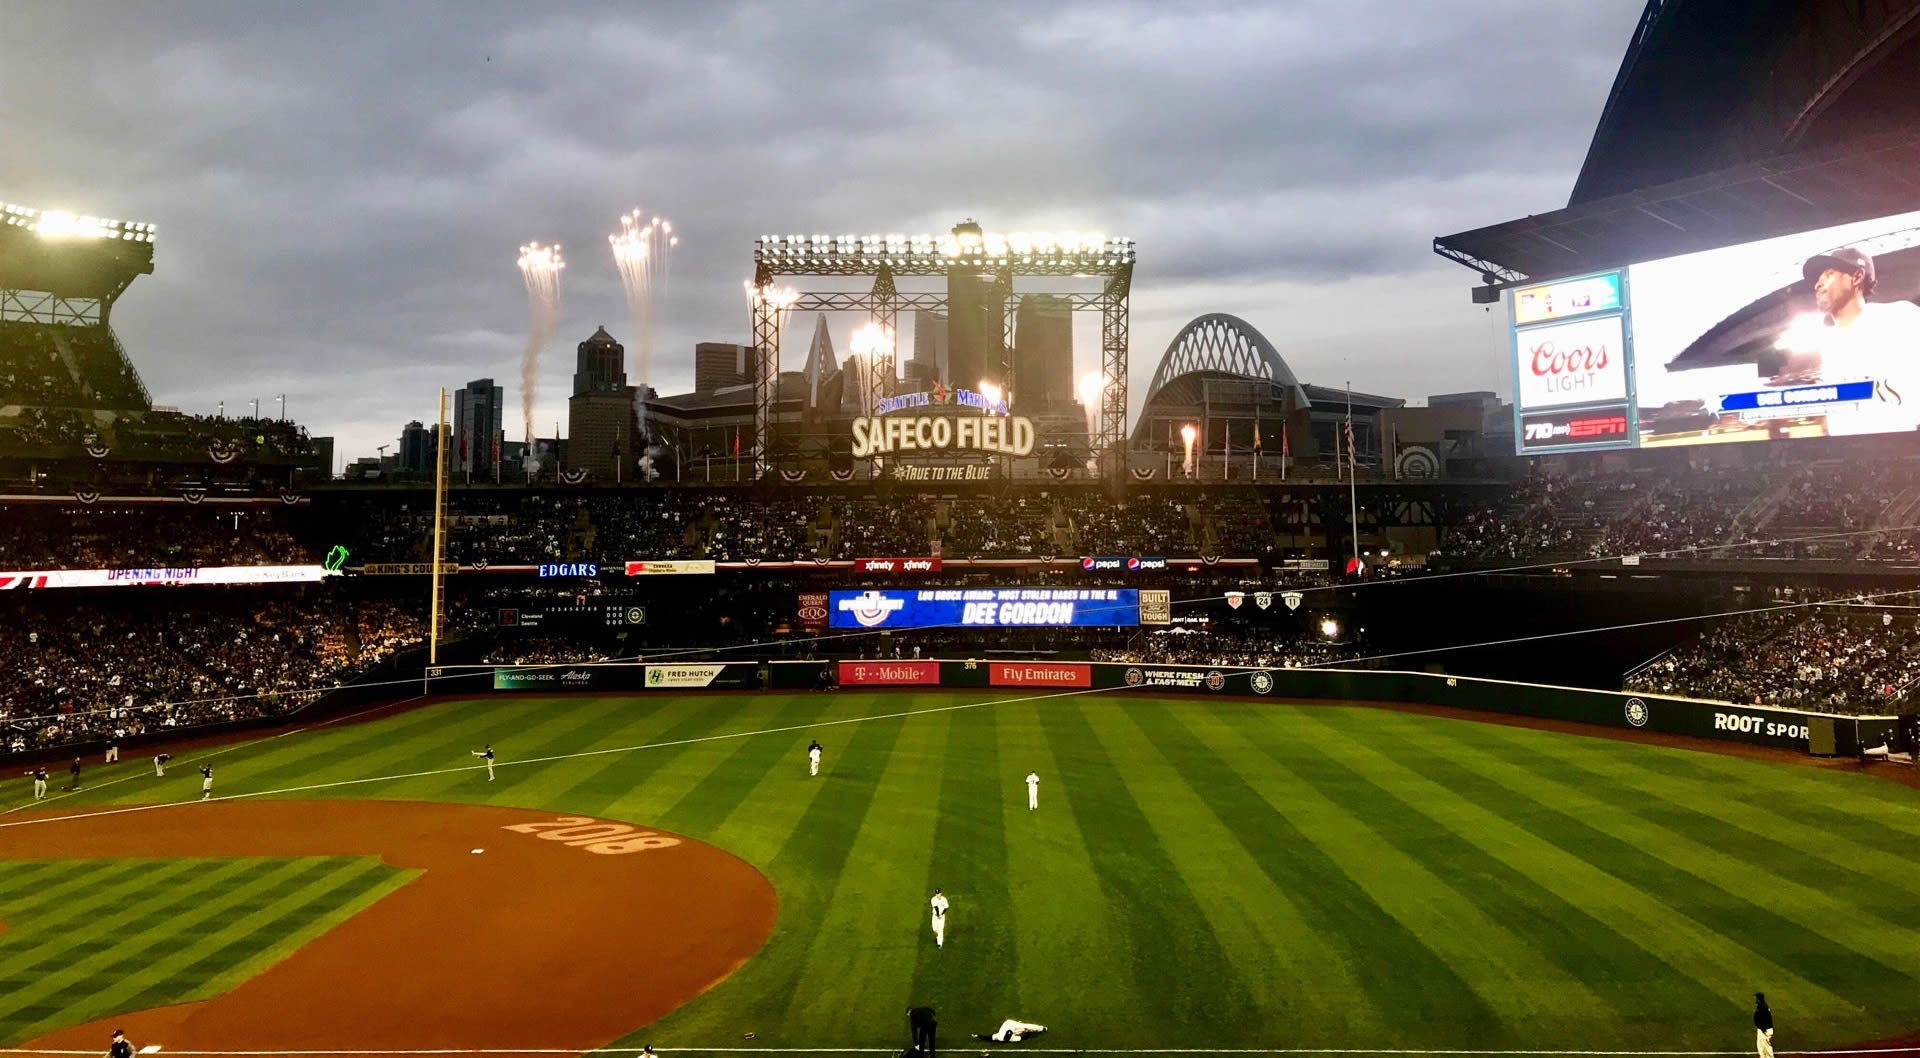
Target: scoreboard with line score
x=574 y=616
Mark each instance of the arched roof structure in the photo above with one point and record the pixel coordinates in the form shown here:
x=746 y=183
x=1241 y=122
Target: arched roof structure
x=1224 y=344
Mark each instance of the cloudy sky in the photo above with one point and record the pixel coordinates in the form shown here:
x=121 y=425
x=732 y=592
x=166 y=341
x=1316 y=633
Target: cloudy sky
x=341 y=188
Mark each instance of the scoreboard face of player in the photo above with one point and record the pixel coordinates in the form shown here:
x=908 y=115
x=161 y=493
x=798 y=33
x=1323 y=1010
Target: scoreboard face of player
x=985 y=608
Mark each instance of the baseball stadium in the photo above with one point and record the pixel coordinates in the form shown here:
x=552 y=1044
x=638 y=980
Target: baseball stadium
x=944 y=700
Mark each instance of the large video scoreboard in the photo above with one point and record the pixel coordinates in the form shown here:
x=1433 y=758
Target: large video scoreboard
x=1809 y=335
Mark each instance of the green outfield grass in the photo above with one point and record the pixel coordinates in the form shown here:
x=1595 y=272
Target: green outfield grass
x=1200 y=873
x=90 y=938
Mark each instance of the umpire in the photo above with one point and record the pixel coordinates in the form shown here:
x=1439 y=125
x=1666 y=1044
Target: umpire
x=1762 y=1026
x=920 y=1020
x=121 y=1048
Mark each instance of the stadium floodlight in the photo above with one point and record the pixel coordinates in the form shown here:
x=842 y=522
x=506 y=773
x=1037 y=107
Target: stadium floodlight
x=1329 y=627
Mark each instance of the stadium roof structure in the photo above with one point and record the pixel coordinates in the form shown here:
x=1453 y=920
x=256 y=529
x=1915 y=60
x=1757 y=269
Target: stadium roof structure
x=1708 y=84
x=67 y=256
x=1227 y=346
x=1755 y=200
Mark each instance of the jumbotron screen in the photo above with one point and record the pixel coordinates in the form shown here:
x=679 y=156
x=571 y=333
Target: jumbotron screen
x=985 y=608
x=1808 y=335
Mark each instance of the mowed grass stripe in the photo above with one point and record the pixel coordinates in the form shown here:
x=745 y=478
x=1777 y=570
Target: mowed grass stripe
x=1140 y=879
x=266 y=929
x=561 y=727
x=1537 y=893
x=1717 y=918
x=228 y=951
x=644 y=784
x=813 y=846
x=1074 y=950
x=968 y=857
x=1412 y=964
x=1799 y=853
x=117 y=939
x=1750 y=796
x=1830 y=936
x=26 y=884
x=881 y=896
x=587 y=785
x=700 y=809
x=118 y=890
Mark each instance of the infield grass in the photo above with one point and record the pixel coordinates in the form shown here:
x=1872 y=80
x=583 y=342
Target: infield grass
x=1200 y=873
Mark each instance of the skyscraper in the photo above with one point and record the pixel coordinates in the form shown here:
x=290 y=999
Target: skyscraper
x=600 y=365
x=717 y=365
x=974 y=331
x=929 y=347
x=1043 y=353
x=600 y=414
x=478 y=426
x=416 y=449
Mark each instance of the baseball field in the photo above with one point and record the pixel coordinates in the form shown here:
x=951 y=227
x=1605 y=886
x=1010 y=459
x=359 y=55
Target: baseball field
x=1199 y=874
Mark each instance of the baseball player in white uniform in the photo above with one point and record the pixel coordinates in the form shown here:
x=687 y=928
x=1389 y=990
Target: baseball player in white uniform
x=160 y=763
x=814 y=752
x=206 y=781
x=1033 y=790
x=487 y=755
x=939 y=919
x=1011 y=1031
x=113 y=749
x=39 y=783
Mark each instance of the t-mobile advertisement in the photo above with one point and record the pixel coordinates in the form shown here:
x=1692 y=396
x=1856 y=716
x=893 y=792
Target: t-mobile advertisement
x=890 y=673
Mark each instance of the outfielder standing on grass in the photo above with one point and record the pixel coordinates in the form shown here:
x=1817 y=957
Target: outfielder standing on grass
x=939 y=919
x=39 y=777
x=486 y=754
x=1033 y=790
x=75 y=769
x=160 y=763
x=813 y=757
x=206 y=781
x=1762 y=1026
x=113 y=749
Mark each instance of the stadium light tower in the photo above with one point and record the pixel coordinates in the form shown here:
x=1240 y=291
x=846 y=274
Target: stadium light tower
x=986 y=263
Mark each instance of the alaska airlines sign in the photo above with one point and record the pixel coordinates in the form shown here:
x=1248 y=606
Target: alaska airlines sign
x=1000 y=435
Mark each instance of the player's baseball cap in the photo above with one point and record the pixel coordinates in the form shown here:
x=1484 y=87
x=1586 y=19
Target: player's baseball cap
x=1845 y=259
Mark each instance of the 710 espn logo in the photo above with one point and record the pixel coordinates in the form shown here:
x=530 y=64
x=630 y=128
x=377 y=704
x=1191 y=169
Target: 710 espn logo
x=1570 y=429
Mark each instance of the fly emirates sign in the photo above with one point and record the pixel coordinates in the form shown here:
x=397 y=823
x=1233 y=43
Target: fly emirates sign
x=887 y=435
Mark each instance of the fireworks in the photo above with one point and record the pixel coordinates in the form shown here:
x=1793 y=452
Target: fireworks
x=642 y=250
x=1092 y=386
x=540 y=266
x=781 y=300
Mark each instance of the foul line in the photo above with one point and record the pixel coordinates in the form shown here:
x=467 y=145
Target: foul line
x=537 y=760
x=1029 y=1050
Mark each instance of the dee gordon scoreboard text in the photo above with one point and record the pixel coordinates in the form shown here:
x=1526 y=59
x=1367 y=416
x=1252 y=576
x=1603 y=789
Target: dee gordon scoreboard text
x=985 y=607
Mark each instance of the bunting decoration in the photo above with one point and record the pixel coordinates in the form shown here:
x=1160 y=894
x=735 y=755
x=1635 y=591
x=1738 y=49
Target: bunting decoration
x=193 y=494
x=793 y=477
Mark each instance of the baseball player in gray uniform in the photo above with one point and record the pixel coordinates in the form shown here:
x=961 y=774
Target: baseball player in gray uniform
x=486 y=754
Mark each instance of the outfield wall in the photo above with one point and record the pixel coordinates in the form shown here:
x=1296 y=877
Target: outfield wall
x=1753 y=725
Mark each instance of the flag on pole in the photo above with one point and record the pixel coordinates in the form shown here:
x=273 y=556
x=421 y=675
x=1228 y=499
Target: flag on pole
x=1256 y=450
x=736 y=442
x=1352 y=462
x=1396 y=450
x=1285 y=452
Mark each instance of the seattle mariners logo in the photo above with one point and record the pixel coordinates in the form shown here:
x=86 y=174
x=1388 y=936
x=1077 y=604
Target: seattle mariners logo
x=1637 y=713
x=1215 y=681
x=1262 y=682
x=1134 y=677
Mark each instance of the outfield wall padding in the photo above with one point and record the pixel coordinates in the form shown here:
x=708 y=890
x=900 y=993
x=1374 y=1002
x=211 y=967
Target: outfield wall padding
x=1752 y=725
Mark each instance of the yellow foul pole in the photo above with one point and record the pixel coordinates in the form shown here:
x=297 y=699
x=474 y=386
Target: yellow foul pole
x=439 y=516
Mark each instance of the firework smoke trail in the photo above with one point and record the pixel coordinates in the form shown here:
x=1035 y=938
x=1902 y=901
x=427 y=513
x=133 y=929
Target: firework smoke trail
x=642 y=250
x=540 y=266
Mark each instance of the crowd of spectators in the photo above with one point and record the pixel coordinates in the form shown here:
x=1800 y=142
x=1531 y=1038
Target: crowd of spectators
x=1245 y=650
x=95 y=670
x=109 y=536
x=1804 y=649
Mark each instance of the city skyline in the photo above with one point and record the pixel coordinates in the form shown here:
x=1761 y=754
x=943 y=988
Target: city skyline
x=351 y=243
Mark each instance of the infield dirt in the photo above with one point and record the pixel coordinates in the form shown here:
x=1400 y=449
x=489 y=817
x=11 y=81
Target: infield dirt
x=531 y=943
